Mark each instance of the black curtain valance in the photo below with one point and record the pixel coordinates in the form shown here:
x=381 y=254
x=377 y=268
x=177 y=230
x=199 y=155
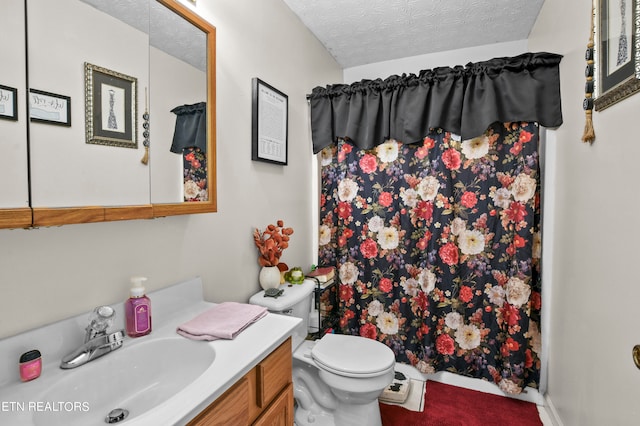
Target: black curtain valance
x=463 y=100
x=191 y=127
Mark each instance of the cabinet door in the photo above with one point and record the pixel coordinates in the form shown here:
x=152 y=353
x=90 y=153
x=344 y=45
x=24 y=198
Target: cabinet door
x=273 y=374
x=280 y=412
x=232 y=408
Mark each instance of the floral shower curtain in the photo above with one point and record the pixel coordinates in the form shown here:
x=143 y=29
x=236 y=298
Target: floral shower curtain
x=190 y=140
x=436 y=237
x=437 y=246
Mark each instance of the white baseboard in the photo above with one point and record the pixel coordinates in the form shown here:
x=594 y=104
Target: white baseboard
x=548 y=413
x=528 y=394
x=552 y=412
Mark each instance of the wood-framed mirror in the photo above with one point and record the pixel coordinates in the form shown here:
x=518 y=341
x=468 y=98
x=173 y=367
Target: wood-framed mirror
x=15 y=211
x=163 y=206
x=54 y=173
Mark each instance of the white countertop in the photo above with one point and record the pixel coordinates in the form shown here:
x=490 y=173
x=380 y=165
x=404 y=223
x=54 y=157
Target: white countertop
x=170 y=308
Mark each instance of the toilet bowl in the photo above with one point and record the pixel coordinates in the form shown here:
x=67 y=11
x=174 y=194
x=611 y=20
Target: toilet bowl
x=338 y=378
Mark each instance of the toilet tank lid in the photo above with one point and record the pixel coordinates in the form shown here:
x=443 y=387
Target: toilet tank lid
x=292 y=294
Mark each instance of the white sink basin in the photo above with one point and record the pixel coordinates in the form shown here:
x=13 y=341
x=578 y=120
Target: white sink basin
x=137 y=377
x=162 y=379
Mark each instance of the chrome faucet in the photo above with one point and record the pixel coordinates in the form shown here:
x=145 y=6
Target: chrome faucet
x=97 y=341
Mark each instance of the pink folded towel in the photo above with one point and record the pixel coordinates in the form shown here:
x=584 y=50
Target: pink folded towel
x=224 y=321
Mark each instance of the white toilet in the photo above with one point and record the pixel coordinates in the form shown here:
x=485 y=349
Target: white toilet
x=337 y=379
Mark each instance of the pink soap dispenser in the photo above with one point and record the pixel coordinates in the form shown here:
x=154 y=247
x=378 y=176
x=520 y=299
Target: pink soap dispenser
x=137 y=310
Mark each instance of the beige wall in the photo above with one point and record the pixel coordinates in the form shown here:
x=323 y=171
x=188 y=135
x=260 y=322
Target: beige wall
x=53 y=273
x=49 y=274
x=595 y=313
x=449 y=58
x=82 y=174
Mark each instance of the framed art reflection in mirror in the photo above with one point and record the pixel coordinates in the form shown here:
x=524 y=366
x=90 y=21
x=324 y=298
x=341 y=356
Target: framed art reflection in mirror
x=8 y=103
x=45 y=107
x=110 y=103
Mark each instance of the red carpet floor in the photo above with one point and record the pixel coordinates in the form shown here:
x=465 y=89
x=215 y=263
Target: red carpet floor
x=447 y=405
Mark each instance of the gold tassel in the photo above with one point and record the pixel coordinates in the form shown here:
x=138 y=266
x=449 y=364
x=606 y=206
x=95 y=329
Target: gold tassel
x=589 y=134
x=145 y=157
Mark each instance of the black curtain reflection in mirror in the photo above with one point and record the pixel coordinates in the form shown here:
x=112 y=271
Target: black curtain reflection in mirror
x=190 y=140
x=462 y=100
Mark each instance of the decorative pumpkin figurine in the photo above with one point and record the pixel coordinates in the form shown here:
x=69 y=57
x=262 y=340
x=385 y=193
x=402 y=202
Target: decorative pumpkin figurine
x=294 y=275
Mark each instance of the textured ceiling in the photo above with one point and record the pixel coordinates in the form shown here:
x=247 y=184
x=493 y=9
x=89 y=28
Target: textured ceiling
x=167 y=31
x=359 y=32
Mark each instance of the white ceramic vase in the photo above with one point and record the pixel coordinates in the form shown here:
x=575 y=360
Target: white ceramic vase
x=269 y=277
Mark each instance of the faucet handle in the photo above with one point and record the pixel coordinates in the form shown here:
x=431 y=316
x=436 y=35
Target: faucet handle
x=100 y=319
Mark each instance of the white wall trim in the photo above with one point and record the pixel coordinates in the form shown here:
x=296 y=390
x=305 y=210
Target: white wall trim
x=548 y=169
x=552 y=412
x=528 y=394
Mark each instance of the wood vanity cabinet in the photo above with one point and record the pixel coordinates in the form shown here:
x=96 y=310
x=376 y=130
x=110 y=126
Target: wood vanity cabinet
x=262 y=397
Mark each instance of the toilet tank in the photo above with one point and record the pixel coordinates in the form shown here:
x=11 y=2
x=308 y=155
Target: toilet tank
x=295 y=300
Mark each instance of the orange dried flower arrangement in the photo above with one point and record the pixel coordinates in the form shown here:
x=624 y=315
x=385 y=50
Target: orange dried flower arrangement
x=271 y=243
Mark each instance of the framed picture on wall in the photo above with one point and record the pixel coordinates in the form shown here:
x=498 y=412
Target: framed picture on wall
x=269 y=124
x=618 y=61
x=45 y=107
x=8 y=103
x=110 y=107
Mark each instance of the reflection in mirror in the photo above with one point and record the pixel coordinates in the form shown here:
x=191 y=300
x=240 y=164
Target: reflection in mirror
x=65 y=170
x=64 y=179
x=178 y=98
x=14 y=191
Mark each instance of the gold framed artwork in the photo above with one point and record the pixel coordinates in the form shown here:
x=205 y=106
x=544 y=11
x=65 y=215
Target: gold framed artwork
x=618 y=54
x=110 y=107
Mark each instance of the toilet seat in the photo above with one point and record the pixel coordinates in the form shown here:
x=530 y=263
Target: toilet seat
x=352 y=356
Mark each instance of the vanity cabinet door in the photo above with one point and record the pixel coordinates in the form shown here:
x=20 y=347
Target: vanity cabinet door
x=232 y=408
x=264 y=396
x=280 y=412
x=273 y=374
